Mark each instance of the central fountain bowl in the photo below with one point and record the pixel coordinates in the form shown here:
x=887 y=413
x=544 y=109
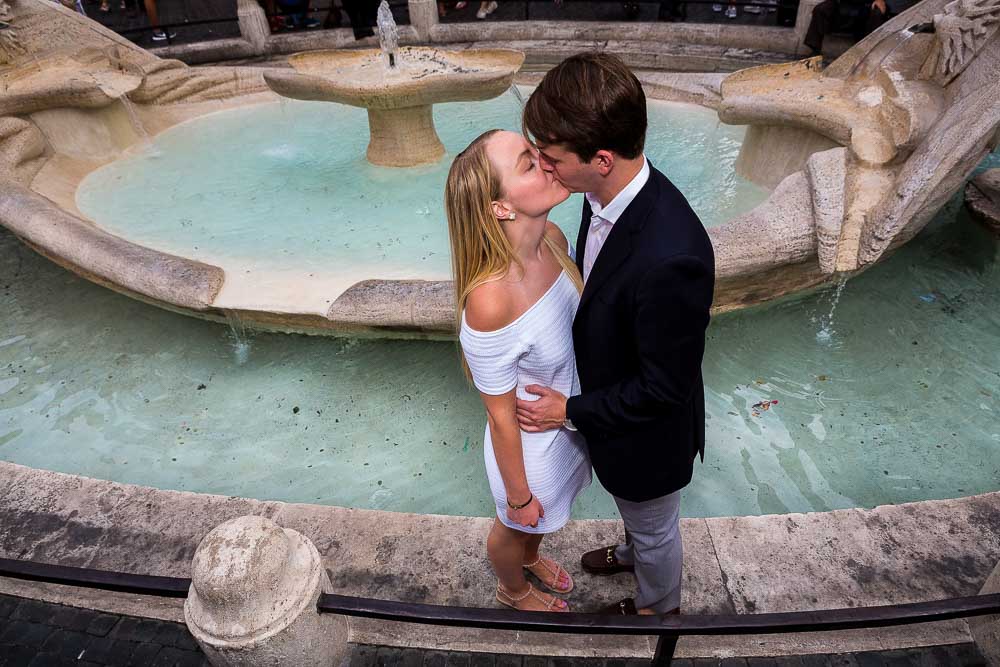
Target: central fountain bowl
x=399 y=99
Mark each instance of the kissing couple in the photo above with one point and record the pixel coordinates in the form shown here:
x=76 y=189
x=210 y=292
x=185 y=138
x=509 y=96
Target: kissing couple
x=585 y=357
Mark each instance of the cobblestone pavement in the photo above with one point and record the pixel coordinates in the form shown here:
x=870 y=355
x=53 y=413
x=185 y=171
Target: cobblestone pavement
x=40 y=634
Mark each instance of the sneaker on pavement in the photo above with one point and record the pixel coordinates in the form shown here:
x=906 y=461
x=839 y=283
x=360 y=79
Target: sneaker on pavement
x=160 y=36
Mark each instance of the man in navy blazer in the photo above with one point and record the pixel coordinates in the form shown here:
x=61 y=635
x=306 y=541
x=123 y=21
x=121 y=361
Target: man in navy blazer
x=639 y=332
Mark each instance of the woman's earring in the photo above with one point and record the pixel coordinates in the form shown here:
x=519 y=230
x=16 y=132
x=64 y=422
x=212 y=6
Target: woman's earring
x=511 y=215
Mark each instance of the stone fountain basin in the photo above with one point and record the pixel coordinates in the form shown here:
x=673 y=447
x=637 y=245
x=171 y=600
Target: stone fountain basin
x=761 y=254
x=49 y=149
x=424 y=76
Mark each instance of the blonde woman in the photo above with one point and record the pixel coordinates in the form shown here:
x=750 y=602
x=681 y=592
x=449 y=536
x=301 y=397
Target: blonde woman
x=517 y=291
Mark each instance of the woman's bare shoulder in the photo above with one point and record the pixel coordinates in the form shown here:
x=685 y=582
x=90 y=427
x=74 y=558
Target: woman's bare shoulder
x=490 y=306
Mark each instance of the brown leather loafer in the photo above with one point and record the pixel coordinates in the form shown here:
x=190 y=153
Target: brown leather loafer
x=625 y=607
x=603 y=562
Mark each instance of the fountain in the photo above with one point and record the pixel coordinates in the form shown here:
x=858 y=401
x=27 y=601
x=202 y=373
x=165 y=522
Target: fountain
x=851 y=162
x=398 y=87
x=358 y=442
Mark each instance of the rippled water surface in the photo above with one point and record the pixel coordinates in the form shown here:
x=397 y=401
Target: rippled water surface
x=892 y=398
x=287 y=184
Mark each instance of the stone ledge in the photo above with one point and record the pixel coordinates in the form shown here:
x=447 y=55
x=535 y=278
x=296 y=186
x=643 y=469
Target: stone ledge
x=104 y=258
x=889 y=554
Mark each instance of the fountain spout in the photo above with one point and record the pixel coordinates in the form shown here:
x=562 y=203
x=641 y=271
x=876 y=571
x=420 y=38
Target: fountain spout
x=388 y=33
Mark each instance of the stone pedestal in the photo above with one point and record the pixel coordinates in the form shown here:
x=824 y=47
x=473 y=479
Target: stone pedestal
x=423 y=17
x=403 y=137
x=254 y=588
x=253 y=25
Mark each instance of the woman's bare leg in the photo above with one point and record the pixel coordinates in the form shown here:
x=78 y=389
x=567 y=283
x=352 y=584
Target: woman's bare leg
x=154 y=18
x=531 y=547
x=531 y=555
x=506 y=549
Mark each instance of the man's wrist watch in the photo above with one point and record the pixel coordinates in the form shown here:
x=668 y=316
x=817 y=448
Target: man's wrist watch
x=568 y=425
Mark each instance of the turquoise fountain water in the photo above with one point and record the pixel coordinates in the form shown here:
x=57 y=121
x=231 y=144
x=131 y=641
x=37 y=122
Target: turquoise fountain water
x=899 y=401
x=286 y=186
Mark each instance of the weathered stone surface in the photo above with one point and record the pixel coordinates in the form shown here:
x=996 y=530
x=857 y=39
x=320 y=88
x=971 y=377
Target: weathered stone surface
x=758 y=38
x=398 y=303
x=913 y=134
x=254 y=589
x=904 y=553
x=936 y=170
x=982 y=197
x=423 y=17
x=63 y=82
x=853 y=59
x=168 y=278
x=888 y=555
x=22 y=150
x=827 y=172
x=701 y=89
x=253 y=25
x=779 y=232
x=399 y=99
x=770 y=153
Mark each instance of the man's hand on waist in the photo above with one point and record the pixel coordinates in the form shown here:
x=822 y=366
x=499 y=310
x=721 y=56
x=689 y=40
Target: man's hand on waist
x=545 y=414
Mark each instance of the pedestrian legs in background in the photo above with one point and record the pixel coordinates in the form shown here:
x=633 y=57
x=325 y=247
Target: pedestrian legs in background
x=154 y=21
x=296 y=14
x=362 y=14
x=334 y=19
x=485 y=9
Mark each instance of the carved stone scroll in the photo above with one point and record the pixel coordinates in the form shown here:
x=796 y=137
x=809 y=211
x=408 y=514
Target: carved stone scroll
x=961 y=30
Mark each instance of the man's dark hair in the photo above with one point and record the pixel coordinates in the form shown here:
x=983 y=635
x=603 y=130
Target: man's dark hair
x=589 y=102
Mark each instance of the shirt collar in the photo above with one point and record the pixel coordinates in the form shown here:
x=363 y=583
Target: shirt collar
x=617 y=206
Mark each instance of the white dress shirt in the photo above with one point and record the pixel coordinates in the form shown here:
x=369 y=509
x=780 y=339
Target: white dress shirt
x=602 y=219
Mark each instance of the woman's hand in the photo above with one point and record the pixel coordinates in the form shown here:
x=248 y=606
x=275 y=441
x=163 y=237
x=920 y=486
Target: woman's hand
x=527 y=515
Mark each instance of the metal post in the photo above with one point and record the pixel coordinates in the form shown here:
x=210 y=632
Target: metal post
x=665 y=647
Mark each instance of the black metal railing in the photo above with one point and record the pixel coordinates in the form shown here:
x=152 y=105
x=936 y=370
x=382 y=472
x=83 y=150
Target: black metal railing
x=668 y=628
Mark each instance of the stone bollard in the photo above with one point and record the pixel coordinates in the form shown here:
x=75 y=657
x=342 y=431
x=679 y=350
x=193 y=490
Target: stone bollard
x=802 y=19
x=985 y=630
x=253 y=25
x=254 y=587
x=423 y=17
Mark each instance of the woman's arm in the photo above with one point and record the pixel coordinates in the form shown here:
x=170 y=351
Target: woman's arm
x=489 y=308
x=506 y=436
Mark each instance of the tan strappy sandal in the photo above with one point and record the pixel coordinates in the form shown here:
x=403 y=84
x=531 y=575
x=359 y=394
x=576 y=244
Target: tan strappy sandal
x=505 y=598
x=551 y=579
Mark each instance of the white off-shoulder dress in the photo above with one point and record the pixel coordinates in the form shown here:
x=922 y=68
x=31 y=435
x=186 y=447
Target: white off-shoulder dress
x=536 y=348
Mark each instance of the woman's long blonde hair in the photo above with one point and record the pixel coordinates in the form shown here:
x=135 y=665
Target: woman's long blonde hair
x=480 y=251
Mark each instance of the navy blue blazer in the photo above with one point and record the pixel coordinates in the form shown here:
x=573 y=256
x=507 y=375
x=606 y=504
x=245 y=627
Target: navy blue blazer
x=639 y=336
